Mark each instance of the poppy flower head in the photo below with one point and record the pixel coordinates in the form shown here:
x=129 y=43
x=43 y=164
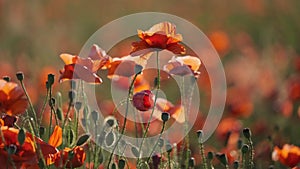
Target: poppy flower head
x=84 y=68
x=159 y=37
x=183 y=66
x=12 y=98
x=289 y=155
x=143 y=100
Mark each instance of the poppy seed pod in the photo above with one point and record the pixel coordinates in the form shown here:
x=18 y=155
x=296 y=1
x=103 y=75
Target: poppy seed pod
x=143 y=100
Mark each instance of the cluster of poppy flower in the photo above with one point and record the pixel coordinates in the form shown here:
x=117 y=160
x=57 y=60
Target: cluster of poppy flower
x=26 y=149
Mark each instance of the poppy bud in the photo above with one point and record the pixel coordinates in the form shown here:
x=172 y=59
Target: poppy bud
x=222 y=158
x=6 y=78
x=165 y=116
x=51 y=79
x=192 y=162
x=210 y=155
x=169 y=147
x=143 y=100
x=245 y=148
x=78 y=106
x=121 y=163
x=21 y=136
x=160 y=142
x=20 y=76
x=95 y=116
x=135 y=151
x=247 y=133
x=236 y=164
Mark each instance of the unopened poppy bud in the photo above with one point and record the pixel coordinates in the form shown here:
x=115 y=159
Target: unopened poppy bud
x=95 y=115
x=200 y=135
x=78 y=106
x=169 y=148
x=6 y=78
x=192 y=162
x=143 y=100
x=21 y=136
x=222 y=158
x=20 y=76
x=121 y=163
x=236 y=164
x=247 y=133
x=160 y=142
x=51 y=79
x=135 y=151
x=210 y=155
x=59 y=114
x=138 y=69
x=245 y=148
x=11 y=149
x=165 y=116
x=110 y=138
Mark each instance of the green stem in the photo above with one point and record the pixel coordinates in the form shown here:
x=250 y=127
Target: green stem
x=30 y=103
x=125 y=117
x=160 y=134
x=153 y=109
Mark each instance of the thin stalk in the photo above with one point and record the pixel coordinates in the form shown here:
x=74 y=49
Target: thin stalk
x=125 y=117
x=30 y=103
x=160 y=134
x=153 y=109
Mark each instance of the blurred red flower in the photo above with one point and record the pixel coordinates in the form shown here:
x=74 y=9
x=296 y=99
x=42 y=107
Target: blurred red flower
x=12 y=98
x=160 y=36
x=220 y=41
x=24 y=155
x=289 y=155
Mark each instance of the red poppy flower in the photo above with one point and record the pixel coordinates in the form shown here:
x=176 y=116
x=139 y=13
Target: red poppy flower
x=24 y=155
x=143 y=100
x=160 y=36
x=289 y=155
x=183 y=66
x=12 y=98
x=62 y=158
x=84 y=68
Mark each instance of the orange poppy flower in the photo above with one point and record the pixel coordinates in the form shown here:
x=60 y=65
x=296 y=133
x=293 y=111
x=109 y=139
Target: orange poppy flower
x=55 y=139
x=183 y=66
x=289 y=155
x=84 y=68
x=125 y=66
x=25 y=155
x=12 y=98
x=62 y=158
x=159 y=37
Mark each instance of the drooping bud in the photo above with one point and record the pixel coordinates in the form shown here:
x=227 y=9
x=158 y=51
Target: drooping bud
x=143 y=100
